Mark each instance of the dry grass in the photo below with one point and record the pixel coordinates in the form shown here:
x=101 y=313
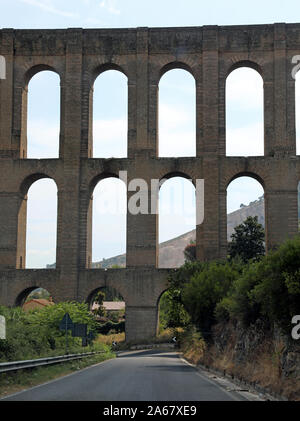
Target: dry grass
x=262 y=367
x=193 y=346
x=109 y=339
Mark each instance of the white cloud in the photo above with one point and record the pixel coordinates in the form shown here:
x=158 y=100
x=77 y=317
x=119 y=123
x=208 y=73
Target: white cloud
x=43 y=139
x=109 y=198
x=110 y=138
x=247 y=141
x=244 y=87
x=173 y=116
x=47 y=6
x=110 y=6
x=177 y=134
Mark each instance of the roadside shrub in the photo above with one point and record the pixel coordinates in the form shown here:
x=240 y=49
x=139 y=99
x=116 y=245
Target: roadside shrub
x=269 y=289
x=206 y=289
x=278 y=292
x=36 y=334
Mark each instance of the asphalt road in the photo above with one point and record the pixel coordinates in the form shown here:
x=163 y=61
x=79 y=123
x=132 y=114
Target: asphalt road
x=135 y=376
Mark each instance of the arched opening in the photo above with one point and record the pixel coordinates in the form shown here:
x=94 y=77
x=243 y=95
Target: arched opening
x=109 y=224
x=110 y=111
x=244 y=113
x=108 y=307
x=171 y=314
x=297 y=111
x=34 y=298
x=41 y=224
x=245 y=198
x=43 y=122
x=177 y=114
x=177 y=220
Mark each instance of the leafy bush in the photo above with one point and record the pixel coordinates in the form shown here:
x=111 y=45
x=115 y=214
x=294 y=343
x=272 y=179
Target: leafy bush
x=269 y=289
x=237 y=304
x=278 y=290
x=206 y=289
x=36 y=334
x=171 y=310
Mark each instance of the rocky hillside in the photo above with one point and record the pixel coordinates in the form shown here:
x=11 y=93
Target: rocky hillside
x=171 y=252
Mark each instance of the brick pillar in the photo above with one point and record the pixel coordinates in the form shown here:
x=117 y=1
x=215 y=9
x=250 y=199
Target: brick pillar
x=207 y=234
x=141 y=228
x=12 y=242
x=281 y=216
x=86 y=220
x=141 y=323
x=132 y=132
x=281 y=202
x=222 y=224
x=282 y=142
x=142 y=91
x=6 y=95
x=68 y=198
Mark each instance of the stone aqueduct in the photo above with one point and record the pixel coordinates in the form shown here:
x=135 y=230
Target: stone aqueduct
x=209 y=53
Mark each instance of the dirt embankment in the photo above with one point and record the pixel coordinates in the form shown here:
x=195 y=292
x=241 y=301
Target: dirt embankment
x=258 y=355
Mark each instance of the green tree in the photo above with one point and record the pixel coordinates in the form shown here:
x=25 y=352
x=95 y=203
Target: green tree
x=206 y=289
x=248 y=240
x=171 y=310
x=99 y=298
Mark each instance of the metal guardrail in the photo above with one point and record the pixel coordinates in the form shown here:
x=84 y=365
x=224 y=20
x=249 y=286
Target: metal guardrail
x=21 y=365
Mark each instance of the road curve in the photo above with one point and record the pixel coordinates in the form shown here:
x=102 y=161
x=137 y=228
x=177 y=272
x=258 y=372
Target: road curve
x=134 y=376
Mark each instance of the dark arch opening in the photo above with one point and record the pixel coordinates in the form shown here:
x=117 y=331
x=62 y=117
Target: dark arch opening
x=100 y=177
x=105 y=68
x=248 y=174
x=172 y=316
x=108 y=307
x=37 y=69
x=33 y=297
x=245 y=63
x=175 y=65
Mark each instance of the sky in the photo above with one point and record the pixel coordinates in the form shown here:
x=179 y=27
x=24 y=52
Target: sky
x=244 y=117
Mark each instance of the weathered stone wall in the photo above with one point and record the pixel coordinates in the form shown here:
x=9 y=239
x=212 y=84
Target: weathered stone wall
x=209 y=53
x=260 y=355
